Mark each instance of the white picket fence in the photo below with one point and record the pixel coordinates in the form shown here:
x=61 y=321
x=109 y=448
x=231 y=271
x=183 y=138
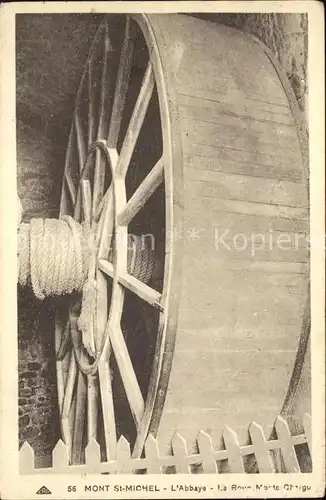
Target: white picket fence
x=265 y=451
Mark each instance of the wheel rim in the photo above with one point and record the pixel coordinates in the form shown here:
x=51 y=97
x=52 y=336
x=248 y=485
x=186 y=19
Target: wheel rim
x=98 y=188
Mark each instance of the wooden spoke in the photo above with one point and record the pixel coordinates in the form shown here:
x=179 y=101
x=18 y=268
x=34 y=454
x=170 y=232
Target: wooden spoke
x=142 y=194
x=121 y=84
x=64 y=201
x=108 y=227
x=80 y=141
x=86 y=199
x=59 y=332
x=101 y=308
x=143 y=291
x=90 y=105
x=65 y=369
x=107 y=407
x=133 y=284
x=99 y=177
x=136 y=121
x=66 y=181
x=113 y=158
x=61 y=351
x=72 y=414
x=78 y=205
x=127 y=372
x=79 y=423
x=104 y=375
x=71 y=187
x=106 y=267
x=101 y=205
x=67 y=401
x=60 y=384
x=124 y=362
x=92 y=406
x=69 y=386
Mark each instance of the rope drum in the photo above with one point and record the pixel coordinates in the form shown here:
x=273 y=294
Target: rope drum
x=55 y=255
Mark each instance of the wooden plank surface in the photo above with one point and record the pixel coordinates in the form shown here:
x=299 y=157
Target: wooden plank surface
x=222 y=185
x=253 y=223
x=242 y=156
x=259 y=166
x=222 y=135
x=197 y=107
x=235 y=376
x=247 y=207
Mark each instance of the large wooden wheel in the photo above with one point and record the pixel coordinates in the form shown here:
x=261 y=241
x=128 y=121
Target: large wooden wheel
x=176 y=140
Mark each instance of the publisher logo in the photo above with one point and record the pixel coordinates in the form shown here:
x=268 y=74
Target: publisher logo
x=43 y=491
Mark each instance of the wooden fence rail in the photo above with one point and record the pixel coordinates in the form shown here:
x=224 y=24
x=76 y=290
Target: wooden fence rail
x=205 y=461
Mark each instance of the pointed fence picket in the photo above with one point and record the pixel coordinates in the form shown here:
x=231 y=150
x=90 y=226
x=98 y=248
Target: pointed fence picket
x=263 y=455
x=180 y=452
x=152 y=455
x=233 y=449
x=288 y=452
x=93 y=455
x=206 y=450
x=180 y=460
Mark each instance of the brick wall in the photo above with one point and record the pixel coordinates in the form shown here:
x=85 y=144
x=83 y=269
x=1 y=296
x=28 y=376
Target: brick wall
x=38 y=417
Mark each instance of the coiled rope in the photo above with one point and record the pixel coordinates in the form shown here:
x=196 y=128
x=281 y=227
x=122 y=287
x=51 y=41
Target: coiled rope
x=53 y=255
